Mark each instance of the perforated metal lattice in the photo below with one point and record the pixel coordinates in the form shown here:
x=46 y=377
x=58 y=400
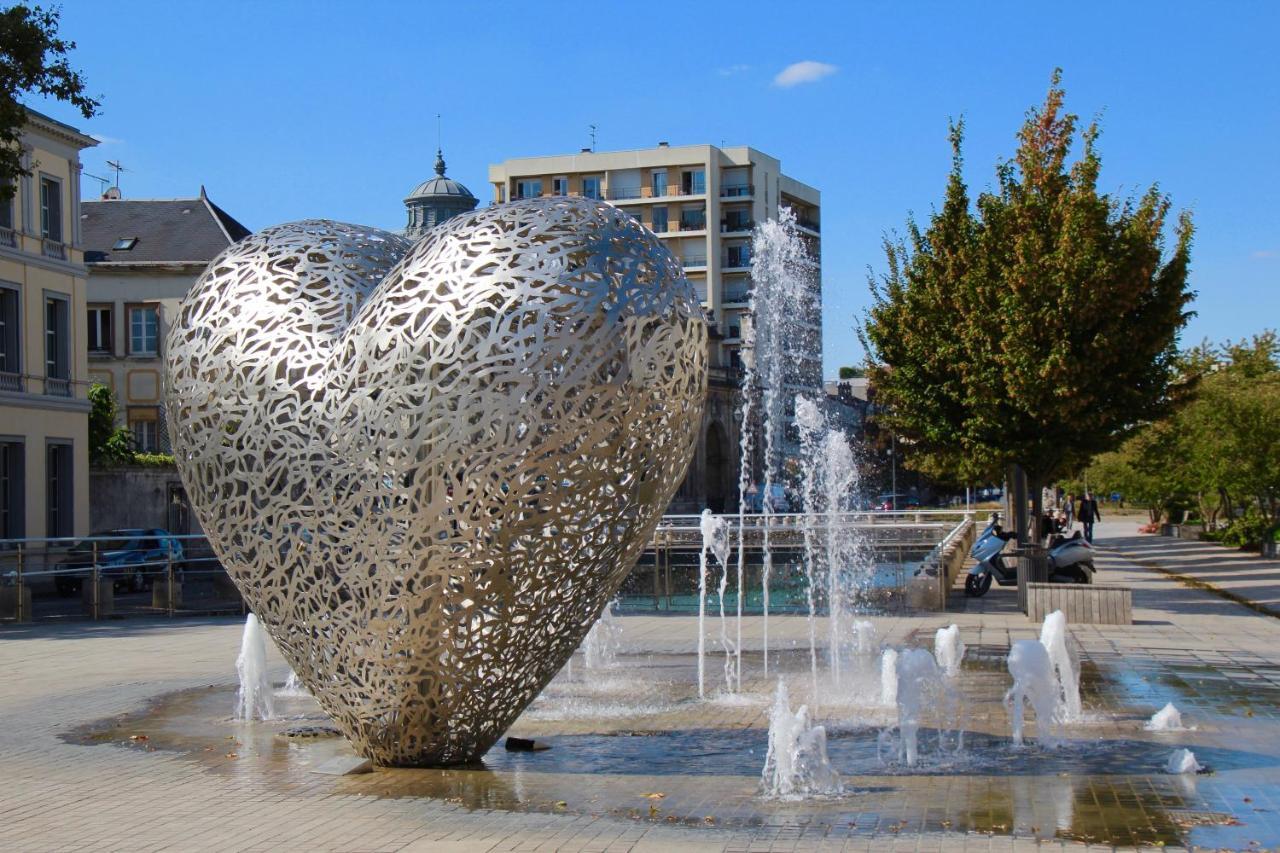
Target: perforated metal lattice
x=428 y=467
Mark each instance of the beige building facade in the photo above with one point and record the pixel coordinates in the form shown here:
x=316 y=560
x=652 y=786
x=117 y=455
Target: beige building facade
x=44 y=371
x=143 y=255
x=703 y=202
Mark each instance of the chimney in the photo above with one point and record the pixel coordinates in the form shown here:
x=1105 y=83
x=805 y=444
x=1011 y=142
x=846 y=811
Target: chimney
x=663 y=144
x=112 y=194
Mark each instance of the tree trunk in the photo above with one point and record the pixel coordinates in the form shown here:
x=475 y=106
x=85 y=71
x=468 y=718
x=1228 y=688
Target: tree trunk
x=1036 y=486
x=1019 y=478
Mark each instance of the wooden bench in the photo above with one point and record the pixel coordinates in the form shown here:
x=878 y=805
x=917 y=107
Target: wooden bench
x=1082 y=604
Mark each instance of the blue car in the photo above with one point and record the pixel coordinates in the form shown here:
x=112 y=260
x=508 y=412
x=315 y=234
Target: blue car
x=130 y=558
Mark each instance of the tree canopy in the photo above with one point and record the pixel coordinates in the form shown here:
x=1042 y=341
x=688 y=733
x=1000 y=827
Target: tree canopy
x=1036 y=327
x=33 y=60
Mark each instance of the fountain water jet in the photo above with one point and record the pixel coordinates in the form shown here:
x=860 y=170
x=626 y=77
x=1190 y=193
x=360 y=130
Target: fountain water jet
x=889 y=677
x=919 y=684
x=253 y=699
x=1167 y=719
x=1182 y=761
x=949 y=649
x=715 y=538
x=1053 y=636
x=1034 y=683
x=600 y=646
x=779 y=337
x=796 y=763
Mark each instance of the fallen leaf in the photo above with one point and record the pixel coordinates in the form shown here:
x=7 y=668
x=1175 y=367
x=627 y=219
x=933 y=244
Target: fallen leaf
x=656 y=795
x=138 y=737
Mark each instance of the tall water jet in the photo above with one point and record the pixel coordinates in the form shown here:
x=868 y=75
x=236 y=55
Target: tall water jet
x=715 y=539
x=889 y=677
x=796 y=763
x=949 y=650
x=1053 y=636
x=780 y=341
x=253 y=699
x=811 y=425
x=1034 y=683
x=600 y=646
x=293 y=687
x=919 y=685
x=839 y=481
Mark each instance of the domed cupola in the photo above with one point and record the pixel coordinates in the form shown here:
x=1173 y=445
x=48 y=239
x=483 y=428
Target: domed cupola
x=435 y=200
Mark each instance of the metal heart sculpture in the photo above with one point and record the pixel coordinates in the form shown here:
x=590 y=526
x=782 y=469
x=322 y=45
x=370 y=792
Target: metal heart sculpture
x=428 y=467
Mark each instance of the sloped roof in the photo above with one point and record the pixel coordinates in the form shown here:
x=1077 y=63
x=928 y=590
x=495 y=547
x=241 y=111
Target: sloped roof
x=176 y=231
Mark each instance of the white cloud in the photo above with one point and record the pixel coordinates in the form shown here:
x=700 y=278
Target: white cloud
x=807 y=71
x=106 y=140
x=1264 y=253
x=732 y=70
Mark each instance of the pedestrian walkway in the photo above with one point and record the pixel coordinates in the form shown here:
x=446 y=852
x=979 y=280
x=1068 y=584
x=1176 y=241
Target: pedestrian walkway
x=1242 y=576
x=1208 y=653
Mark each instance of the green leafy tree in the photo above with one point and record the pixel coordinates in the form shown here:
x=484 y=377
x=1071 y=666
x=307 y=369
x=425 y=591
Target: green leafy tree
x=1037 y=327
x=33 y=60
x=108 y=444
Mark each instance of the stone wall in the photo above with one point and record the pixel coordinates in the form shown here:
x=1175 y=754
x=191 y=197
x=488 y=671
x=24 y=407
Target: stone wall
x=139 y=497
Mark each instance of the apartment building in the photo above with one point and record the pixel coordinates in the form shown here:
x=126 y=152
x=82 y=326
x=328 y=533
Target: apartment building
x=703 y=202
x=143 y=255
x=44 y=407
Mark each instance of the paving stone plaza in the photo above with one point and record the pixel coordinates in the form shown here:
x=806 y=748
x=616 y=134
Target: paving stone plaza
x=118 y=735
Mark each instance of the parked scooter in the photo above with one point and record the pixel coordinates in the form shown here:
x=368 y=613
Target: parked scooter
x=1070 y=560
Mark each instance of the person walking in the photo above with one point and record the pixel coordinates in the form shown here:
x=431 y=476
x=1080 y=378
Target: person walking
x=1088 y=514
x=1069 y=508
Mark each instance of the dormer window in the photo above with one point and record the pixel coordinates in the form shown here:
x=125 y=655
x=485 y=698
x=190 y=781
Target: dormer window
x=124 y=244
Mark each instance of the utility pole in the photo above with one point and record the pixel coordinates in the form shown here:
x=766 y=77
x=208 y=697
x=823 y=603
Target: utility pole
x=593 y=136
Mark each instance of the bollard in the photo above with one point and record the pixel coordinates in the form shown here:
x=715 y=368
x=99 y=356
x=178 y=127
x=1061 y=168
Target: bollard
x=19 y=609
x=169 y=589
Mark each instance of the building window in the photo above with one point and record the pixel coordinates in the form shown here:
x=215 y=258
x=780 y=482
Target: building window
x=6 y=213
x=13 y=491
x=560 y=186
x=144 y=328
x=693 y=219
x=660 y=220
x=99 y=330
x=58 y=490
x=10 y=340
x=591 y=188
x=693 y=182
x=658 y=183
x=57 y=346
x=51 y=209
x=529 y=189
x=144 y=423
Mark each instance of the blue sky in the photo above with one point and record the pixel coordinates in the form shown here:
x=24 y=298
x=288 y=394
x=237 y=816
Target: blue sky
x=294 y=110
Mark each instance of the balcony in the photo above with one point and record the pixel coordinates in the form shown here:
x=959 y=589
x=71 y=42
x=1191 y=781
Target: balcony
x=12 y=382
x=725 y=376
x=54 y=249
x=737 y=295
x=809 y=224
x=8 y=237
x=735 y=261
x=736 y=226
x=623 y=193
x=693 y=223
x=737 y=191
x=694 y=261
x=55 y=387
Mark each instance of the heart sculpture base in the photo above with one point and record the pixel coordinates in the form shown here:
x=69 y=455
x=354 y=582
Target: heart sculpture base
x=428 y=467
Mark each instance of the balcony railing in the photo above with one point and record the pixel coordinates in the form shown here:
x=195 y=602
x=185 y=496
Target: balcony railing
x=735 y=295
x=12 y=382
x=661 y=227
x=694 y=261
x=735 y=262
x=624 y=192
x=731 y=226
x=731 y=376
x=736 y=190
x=55 y=387
x=693 y=223
x=8 y=237
x=811 y=224
x=54 y=249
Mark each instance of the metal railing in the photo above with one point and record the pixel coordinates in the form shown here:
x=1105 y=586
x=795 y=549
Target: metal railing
x=737 y=190
x=694 y=261
x=41 y=577
x=698 y=223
